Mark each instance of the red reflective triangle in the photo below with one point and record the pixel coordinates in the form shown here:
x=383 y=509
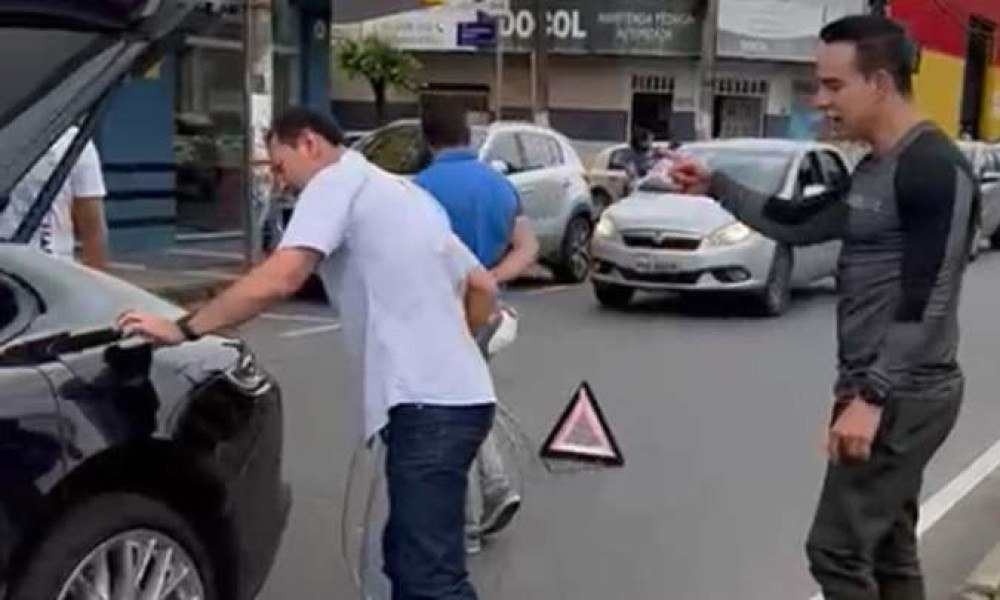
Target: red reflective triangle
x=582 y=433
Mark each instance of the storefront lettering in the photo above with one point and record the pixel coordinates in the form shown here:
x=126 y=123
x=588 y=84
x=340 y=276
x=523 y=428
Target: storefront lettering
x=561 y=24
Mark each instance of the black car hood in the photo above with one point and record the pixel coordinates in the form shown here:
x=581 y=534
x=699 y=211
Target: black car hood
x=61 y=59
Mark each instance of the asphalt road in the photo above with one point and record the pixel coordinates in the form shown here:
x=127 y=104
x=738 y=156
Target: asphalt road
x=718 y=413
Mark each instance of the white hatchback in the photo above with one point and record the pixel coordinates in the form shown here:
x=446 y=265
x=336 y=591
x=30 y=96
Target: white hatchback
x=658 y=240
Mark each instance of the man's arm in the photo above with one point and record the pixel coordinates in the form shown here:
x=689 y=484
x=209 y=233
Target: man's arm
x=91 y=230
x=523 y=252
x=480 y=298
x=936 y=201
x=277 y=278
x=807 y=222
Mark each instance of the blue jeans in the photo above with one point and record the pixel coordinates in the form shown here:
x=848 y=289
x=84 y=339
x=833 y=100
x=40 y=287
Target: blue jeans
x=430 y=450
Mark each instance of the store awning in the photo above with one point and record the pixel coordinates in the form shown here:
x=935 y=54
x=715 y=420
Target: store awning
x=352 y=11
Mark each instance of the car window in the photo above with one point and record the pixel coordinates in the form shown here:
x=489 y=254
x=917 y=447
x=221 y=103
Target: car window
x=537 y=154
x=505 y=147
x=399 y=150
x=18 y=308
x=834 y=172
x=809 y=172
x=764 y=171
x=555 y=152
x=618 y=160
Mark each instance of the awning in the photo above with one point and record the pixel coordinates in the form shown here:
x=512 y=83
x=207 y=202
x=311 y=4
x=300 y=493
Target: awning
x=352 y=11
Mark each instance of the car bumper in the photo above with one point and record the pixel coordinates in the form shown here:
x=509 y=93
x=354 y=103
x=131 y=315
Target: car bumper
x=259 y=500
x=741 y=267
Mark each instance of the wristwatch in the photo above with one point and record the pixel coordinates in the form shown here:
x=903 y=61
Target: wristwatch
x=184 y=325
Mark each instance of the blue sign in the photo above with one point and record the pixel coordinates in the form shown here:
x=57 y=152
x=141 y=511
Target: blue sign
x=477 y=33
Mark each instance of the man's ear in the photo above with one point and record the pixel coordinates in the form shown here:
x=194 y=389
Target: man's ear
x=884 y=83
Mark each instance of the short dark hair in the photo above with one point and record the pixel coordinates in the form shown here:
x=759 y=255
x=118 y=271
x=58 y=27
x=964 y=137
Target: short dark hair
x=288 y=126
x=880 y=43
x=445 y=122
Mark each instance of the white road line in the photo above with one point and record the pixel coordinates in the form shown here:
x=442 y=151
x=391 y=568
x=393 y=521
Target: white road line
x=300 y=333
x=205 y=253
x=937 y=506
x=127 y=266
x=303 y=318
x=550 y=290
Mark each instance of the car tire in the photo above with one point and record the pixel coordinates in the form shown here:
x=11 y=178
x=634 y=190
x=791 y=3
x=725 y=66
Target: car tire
x=602 y=200
x=613 y=296
x=112 y=523
x=995 y=240
x=574 y=255
x=773 y=300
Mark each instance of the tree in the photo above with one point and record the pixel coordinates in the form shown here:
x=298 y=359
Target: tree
x=384 y=66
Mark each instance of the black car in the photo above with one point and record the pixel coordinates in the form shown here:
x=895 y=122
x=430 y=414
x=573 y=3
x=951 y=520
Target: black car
x=125 y=471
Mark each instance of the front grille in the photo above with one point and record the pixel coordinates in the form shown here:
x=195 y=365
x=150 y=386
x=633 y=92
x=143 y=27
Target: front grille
x=689 y=278
x=660 y=241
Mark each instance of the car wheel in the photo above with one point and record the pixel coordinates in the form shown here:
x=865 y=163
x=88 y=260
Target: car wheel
x=777 y=294
x=575 y=256
x=118 y=545
x=613 y=296
x=602 y=200
x=995 y=240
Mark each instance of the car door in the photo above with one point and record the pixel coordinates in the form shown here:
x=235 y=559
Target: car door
x=990 y=182
x=810 y=261
x=505 y=148
x=835 y=175
x=544 y=172
x=31 y=440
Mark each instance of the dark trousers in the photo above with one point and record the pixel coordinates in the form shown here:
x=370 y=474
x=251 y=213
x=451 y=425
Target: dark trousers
x=430 y=449
x=863 y=543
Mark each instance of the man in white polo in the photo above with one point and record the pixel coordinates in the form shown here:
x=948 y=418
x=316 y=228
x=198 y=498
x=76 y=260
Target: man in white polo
x=386 y=253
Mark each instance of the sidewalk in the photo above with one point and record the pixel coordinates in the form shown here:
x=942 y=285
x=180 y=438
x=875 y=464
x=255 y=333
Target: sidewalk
x=184 y=274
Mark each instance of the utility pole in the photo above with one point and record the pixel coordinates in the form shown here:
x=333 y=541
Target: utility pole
x=258 y=85
x=540 y=67
x=705 y=79
x=498 y=109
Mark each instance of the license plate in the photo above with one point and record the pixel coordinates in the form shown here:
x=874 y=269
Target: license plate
x=653 y=264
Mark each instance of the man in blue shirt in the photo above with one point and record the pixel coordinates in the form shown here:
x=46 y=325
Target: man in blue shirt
x=485 y=213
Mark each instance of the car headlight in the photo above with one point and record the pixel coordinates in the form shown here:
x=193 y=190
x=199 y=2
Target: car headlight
x=606 y=228
x=731 y=234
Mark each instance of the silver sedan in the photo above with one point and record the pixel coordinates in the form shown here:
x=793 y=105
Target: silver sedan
x=658 y=240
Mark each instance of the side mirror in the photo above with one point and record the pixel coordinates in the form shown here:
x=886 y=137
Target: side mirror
x=814 y=191
x=991 y=177
x=500 y=166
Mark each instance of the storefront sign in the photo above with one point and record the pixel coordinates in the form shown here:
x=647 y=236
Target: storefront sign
x=650 y=27
x=777 y=29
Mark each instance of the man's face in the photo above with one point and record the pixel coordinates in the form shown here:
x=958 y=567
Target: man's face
x=848 y=100
x=293 y=165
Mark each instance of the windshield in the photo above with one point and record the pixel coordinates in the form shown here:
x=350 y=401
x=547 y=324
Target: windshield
x=761 y=170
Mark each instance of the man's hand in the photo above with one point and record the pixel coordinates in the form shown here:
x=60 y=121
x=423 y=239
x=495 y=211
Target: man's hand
x=155 y=329
x=853 y=432
x=690 y=174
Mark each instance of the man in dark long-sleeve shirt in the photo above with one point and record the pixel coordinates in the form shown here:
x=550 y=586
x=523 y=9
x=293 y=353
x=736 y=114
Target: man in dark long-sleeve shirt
x=905 y=219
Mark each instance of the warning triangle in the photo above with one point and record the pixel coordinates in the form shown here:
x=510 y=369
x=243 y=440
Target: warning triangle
x=582 y=433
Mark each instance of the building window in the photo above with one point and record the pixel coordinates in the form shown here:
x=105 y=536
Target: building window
x=652 y=104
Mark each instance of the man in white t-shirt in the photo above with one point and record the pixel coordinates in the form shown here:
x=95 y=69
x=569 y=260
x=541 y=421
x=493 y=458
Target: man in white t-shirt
x=77 y=212
x=385 y=252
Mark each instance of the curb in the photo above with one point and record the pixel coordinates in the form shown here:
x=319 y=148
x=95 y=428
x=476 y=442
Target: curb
x=192 y=293
x=984 y=581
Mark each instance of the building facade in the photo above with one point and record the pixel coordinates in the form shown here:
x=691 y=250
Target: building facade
x=615 y=64
x=171 y=141
x=958 y=83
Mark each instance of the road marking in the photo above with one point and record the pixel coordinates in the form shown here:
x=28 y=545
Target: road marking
x=937 y=506
x=301 y=333
x=205 y=253
x=123 y=266
x=304 y=318
x=549 y=290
